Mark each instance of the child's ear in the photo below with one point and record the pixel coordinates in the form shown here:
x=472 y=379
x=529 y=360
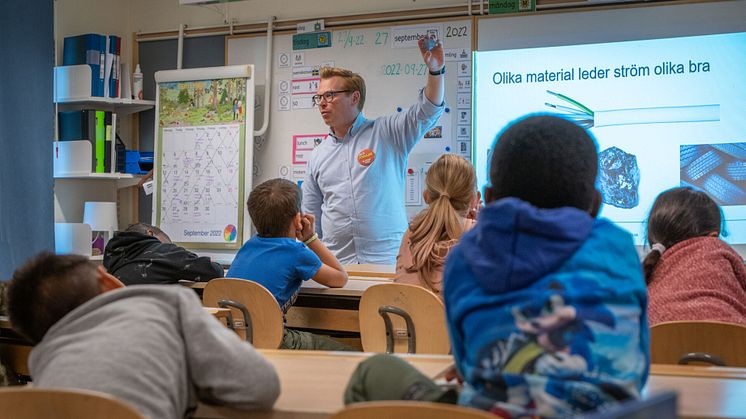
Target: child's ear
x=107 y=281
x=298 y=221
x=596 y=204
x=475 y=199
x=489 y=194
x=426 y=197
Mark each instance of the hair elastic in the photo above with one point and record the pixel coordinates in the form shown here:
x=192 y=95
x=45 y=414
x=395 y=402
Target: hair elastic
x=659 y=247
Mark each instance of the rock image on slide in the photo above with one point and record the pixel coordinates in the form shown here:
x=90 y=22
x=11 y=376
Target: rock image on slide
x=619 y=178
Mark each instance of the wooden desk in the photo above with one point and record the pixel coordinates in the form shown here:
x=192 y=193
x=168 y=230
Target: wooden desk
x=697 y=371
x=5 y=322
x=355 y=287
x=323 y=309
x=14 y=349
x=219 y=313
x=313 y=382
x=370 y=270
x=703 y=397
x=330 y=310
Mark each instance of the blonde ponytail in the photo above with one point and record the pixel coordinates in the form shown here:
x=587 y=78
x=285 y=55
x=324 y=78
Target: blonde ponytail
x=450 y=187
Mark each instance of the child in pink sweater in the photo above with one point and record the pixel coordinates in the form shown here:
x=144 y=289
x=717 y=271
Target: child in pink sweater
x=691 y=273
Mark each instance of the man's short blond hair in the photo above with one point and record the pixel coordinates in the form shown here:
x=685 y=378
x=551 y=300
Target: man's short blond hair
x=352 y=81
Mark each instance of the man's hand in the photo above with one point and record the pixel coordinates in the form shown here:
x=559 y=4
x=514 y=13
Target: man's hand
x=308 y=221
x=433 y=57
x=435 y=61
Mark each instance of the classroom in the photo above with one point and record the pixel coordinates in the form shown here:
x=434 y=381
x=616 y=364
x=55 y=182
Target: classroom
x=420 y=209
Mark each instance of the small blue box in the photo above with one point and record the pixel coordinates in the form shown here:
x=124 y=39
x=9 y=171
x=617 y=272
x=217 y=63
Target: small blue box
x=131 y=162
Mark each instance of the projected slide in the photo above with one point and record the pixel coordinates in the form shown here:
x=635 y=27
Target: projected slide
x=665 y=112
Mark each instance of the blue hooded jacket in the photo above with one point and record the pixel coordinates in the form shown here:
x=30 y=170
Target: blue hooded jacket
x=546 y=309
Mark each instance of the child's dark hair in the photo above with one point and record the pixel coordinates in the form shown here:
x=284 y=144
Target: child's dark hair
x=46 y=288
x=547 y=161
x=143 y=228
x=679 y=214
x=272 y=205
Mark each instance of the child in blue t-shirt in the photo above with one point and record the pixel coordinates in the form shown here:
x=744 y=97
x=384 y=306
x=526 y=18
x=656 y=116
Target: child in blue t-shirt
x=285 y=252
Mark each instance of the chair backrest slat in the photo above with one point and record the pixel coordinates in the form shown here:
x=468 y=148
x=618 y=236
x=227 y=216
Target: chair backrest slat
x=672 y=341
x=266 y=317
x=409 y=410
x=399 y=304
x=34 y=403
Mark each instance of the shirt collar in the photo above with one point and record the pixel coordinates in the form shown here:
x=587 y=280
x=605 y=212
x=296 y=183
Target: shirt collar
x=359 y=119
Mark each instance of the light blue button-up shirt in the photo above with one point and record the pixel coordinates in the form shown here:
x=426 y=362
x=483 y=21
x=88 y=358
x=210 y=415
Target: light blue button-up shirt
x=359 y=203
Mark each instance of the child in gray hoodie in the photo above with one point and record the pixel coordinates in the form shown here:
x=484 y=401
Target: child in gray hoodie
x=152 y=346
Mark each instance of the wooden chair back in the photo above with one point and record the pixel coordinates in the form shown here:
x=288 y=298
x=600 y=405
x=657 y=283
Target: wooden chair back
x=416 y=317
x=711 y=342
x=33 y=403
x=15 y=357
x=263 y=328
x=409 y=410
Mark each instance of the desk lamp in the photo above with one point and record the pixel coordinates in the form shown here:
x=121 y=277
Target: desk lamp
x=102 y=217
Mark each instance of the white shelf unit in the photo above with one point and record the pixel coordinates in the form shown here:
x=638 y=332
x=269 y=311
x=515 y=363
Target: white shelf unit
x=124 y=180
x=74 y=182
x=73 y=91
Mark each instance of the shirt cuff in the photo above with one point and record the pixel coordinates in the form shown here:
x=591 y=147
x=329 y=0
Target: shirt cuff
x=429 y=107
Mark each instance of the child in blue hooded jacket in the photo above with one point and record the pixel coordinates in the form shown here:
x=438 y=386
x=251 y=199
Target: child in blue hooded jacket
x=545 y=303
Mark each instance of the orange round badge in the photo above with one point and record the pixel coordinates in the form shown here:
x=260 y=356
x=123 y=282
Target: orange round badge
x=366 y=157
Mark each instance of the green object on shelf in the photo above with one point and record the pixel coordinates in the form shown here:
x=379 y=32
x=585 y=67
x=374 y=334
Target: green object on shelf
x=100 y=141
x=511 y=6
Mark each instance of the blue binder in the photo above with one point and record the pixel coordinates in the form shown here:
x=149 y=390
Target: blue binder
x=114 y=51
x=87 y=49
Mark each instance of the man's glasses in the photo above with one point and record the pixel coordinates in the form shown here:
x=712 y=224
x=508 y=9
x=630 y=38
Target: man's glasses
x=327 y=96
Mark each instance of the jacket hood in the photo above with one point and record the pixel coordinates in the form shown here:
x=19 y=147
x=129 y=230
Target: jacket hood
x=126 y=243
x=514 y=243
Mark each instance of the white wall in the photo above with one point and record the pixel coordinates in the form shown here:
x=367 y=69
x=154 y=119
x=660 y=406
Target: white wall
x=154 y=15
x=76 y=17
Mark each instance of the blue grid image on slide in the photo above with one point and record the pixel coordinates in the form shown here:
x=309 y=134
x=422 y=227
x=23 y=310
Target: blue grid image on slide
x=718 y=169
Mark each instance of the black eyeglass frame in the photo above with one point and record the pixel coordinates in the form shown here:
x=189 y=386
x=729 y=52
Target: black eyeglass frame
x=328 y=96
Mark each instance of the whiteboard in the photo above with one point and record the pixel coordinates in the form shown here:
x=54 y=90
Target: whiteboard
x=201 y=158
x=394 y=74
x=514 y=37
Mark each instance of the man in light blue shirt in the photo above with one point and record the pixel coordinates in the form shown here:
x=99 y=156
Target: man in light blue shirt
x=355 y=180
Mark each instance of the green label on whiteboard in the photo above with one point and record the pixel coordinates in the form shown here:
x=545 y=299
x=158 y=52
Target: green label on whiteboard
x=512 y=6
x=312 y=40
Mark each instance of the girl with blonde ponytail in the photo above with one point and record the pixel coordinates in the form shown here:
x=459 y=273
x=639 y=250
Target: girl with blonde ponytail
x=451 y=195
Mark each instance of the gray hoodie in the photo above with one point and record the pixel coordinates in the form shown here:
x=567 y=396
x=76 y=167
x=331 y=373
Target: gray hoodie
x=156 y=348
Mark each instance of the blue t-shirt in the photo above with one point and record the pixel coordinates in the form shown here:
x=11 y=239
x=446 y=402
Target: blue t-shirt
x=280 y=264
